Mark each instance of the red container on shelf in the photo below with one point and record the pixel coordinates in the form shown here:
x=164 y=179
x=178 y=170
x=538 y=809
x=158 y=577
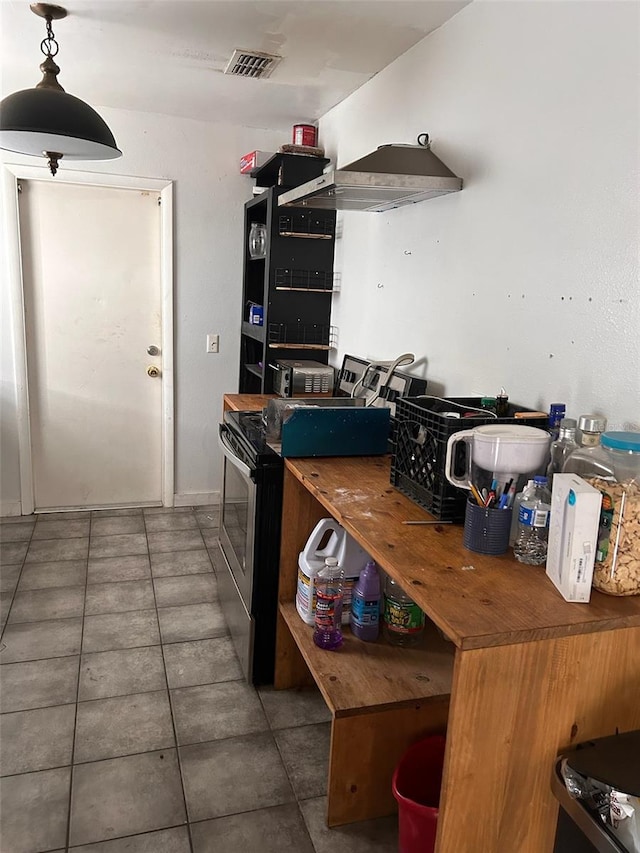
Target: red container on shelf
x=304 y=134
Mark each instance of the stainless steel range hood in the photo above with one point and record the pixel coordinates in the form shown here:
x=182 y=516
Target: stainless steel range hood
x=391 y=176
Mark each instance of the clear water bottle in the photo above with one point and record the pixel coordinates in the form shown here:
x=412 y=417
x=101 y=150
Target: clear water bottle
x=403 y=619
x=513 y=533
x=562 y=448
x=533 y=525
x=328 y=613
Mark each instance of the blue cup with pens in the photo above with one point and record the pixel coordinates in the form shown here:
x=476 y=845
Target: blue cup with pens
x=487 y=520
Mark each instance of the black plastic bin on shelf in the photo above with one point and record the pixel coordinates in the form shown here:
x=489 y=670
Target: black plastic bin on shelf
x=422 y=432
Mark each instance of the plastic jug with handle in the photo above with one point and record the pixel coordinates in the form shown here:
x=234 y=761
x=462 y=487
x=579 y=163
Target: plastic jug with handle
x=351 y=557
x=502 y=452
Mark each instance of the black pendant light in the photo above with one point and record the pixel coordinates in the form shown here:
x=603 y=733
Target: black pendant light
x=46 y=120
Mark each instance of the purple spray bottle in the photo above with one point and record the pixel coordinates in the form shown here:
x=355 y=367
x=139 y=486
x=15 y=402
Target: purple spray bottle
x=365 y=604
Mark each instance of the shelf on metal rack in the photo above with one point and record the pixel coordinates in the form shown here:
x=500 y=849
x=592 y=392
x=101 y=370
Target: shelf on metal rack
x=253 y=331
x=306 y=236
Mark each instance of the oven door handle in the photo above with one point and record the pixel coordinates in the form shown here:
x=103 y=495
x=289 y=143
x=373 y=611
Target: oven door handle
x=226 y=448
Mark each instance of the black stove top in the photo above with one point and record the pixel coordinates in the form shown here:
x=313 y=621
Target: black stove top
x=250 y=433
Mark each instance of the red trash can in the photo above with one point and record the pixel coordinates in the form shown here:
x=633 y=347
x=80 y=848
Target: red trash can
x=416 y=786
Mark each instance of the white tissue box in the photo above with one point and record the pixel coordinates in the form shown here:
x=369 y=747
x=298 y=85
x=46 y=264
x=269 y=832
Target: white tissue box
x=573 y=536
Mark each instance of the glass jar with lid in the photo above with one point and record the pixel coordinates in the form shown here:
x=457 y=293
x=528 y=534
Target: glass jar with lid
x=614 y=469
x=590 y=429
x=257 y=240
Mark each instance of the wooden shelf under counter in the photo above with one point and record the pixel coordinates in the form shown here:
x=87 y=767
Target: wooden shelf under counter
x=532 y=674
x=350 y=679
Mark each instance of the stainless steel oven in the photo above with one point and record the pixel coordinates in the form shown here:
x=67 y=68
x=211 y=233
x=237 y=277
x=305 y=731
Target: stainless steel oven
x=250 y=522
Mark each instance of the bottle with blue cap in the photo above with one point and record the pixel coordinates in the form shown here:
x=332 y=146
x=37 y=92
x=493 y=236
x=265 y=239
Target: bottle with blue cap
x=533 y=524
x=614 y=469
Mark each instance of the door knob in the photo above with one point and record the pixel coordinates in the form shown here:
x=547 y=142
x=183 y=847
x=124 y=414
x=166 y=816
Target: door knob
x=153 y=371
x=153 y=350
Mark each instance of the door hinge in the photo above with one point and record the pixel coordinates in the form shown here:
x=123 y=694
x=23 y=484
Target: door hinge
x=19 y=185
x=159 y=201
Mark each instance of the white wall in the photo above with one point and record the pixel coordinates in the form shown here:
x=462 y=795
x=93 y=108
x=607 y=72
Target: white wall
x=528 y=278
x=209 y=193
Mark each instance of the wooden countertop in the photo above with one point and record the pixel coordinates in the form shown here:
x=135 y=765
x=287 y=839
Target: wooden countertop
x=478 y=601
x=245 y=402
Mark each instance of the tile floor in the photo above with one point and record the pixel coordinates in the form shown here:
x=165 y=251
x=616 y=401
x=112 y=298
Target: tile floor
x=125 y=722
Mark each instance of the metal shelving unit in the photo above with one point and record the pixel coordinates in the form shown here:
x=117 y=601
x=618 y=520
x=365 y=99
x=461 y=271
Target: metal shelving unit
x=294 y=281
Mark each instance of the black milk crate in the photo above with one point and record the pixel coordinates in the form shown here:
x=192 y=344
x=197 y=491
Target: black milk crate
x=420 y=447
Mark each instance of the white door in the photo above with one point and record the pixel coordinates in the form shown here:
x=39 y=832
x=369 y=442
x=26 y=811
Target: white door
x=92 y=299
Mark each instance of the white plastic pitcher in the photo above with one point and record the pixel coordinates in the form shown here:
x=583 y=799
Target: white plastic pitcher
x=505 y=450
x=351 y=557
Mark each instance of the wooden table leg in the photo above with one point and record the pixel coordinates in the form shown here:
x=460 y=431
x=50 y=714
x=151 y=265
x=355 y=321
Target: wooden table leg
x=513 y=710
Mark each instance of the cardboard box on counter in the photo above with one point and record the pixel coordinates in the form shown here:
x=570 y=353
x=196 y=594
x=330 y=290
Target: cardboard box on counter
x=573 y=536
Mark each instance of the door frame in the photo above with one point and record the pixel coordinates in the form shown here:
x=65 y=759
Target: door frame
x=12 y=174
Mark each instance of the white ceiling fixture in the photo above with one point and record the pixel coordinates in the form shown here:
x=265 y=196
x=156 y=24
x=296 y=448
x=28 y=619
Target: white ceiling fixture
x=247 y=63
x=170 y=56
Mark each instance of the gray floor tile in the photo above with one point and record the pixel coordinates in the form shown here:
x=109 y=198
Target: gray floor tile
x=38 y=684
x=36 y=740
x=201 y=662
x=305 y=753
x=180 y=563
x=170 y=521
x=175 y=540
x=36 y=605
x=9 y=576
x=107 y=728
x=174 y=840
x=117 y=673
x=17 y=519
x=367 y=836
x=49 y=550
x=72 y=515
x=110 y=524
x=34 y=809
x=217 y=558
x=273 y=830
x=208 y=518
x=59 y=573
x=235 y=775
x=191 y=622
x=210 y=536
x=16 y=532
x=163 y=510
x=116 y=512
x=125 y=796
x=118 y=545
x=296 y=707
x=5 y=604
x=215 y=711
x=25 y=641
x=14 y=552
x=110 y=631
x=61 y=529
x=119 y=597
x=109 y=569
x=185 y=589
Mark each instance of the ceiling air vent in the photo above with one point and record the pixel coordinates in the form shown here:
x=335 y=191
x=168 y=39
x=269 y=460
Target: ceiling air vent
x=251 y=63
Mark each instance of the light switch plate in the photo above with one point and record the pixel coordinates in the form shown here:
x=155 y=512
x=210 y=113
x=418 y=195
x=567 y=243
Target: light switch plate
x=213 y=343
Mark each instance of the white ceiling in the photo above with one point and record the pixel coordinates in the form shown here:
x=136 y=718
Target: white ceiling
x=168 y=56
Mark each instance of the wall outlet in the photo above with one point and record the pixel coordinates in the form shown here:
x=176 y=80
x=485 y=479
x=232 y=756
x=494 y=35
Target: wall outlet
x=213 y=343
